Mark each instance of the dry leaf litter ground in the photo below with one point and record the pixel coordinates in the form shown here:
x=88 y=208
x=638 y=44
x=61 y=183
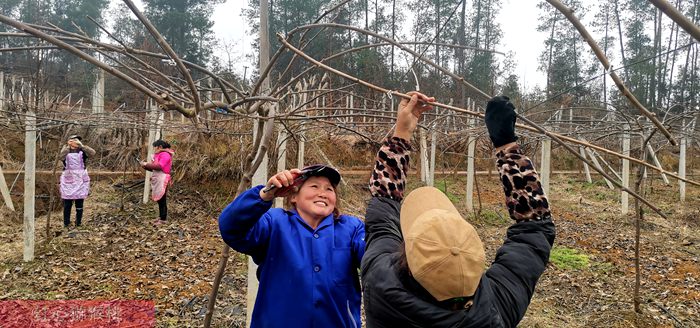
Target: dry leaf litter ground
x=121 y=255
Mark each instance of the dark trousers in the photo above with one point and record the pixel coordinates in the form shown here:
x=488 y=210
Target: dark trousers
x=67 y=206
x=163 y=207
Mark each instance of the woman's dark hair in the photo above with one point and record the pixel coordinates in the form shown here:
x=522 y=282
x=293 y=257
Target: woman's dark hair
x=161 y=143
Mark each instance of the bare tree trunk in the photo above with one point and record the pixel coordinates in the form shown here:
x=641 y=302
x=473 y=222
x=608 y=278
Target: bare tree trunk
x=256 y=159
x=393 y=34
x=694 y=79
x=460 y=52
x=673 y=61
x=655 y=61
x=29 y=181
x=637 y=275
x=551 y=54
x=622 y=40
x=605 y=50
x=367 y=20
x=376 y=15
x=637 y=222
x=676 y=16
x=438 y=21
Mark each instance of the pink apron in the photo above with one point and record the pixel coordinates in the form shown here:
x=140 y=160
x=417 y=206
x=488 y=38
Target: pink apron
x=75 y=182
x=159 y=184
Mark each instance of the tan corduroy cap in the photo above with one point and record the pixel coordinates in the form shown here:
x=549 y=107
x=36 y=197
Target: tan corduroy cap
x=444 y=252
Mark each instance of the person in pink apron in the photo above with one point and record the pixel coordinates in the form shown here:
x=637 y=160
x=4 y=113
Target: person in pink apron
x=160 y=165
x=75 y=182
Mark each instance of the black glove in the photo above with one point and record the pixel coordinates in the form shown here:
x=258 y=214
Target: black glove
x=500 y=121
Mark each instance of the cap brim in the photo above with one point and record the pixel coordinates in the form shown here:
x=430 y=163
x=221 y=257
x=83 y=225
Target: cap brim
x=324 y=171
x=421 y=200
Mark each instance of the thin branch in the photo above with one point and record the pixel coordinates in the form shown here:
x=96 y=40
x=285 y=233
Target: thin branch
x=166 y=47
x=677 y=17
x=569 y=13
x=460 y=79
x=472 y=113
x=92 y=60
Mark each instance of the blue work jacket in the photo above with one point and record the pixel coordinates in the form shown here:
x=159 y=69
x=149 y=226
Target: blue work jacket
x=308 y=278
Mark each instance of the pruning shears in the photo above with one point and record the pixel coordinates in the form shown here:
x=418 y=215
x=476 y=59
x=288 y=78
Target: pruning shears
x=305 y=174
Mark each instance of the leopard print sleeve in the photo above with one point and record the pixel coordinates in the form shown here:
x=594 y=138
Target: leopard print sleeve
x=525 y=197
x=390 y=169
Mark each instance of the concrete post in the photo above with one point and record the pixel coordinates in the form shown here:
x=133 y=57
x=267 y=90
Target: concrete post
x=29 y=183
x=624 y=200
x=5 y=191
x=682 y=166
x=259 y=177
x=658 y=164
x=585 y=165
x=2 y=92
x=424 y=169
x=431 y=175
x=545 y=165
x=592 y=155
x=98 y=93
x=281 y=158
x=154 y=119
x=471 y=147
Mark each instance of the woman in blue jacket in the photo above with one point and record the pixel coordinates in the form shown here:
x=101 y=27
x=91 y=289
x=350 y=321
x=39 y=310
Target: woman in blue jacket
x=308 y=255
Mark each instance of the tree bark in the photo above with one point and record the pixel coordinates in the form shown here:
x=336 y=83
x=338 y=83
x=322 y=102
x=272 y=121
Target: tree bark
x=678 y=17
x=622 y=40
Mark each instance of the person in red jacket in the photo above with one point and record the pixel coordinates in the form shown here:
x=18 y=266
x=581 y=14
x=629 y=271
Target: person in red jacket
x=160 y=165
x=424 y=264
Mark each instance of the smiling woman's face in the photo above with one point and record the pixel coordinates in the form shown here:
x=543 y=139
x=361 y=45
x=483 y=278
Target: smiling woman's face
x=315 y=200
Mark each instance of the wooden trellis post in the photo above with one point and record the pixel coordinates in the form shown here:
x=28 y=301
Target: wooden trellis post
x=351 y=101
x=2 y=92
x=592 y=155
x=209 y=96
x=260 y=175
x=301 y=149
x=682 y=164
x=154 y=118
x=546 y=155
x=98 y=93
x=612 y=170
x=13 y=88
x=281 y=157
x=582 y=151
x=29 y=181
x=546 y=160
x=471 y=147
x=5 y=191
x=657 y=163
x=433 y=142
x=423 y=157
x=624 y=198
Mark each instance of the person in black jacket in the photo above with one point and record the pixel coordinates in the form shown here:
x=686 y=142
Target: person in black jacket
x=424 y=265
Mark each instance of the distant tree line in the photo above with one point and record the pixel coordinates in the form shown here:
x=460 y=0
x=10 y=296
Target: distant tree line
x=660 y=62
x=186 y=24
